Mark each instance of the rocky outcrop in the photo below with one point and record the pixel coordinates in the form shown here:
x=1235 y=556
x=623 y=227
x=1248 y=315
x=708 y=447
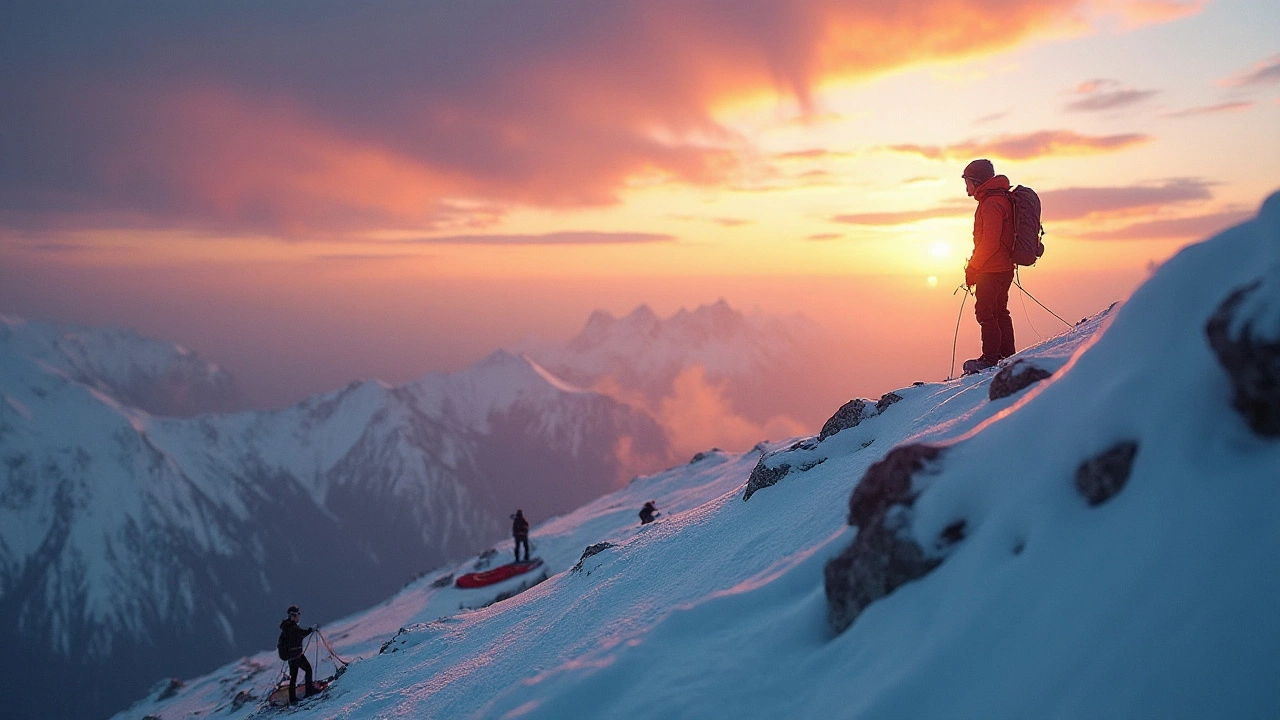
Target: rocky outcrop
x=1244 y=333
x=883 y=556
x=1014 y=378
x=763 y=476
x=591 y=550
x=852 y=413
x=699 y=457
x=1101 y=477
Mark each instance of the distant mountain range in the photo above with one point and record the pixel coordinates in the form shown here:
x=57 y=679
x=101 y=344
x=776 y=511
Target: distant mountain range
x=134 y=546
x=754 y=361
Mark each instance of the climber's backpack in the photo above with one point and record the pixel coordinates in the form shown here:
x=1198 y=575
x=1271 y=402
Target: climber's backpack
x=1028 y=245
x=282 y=648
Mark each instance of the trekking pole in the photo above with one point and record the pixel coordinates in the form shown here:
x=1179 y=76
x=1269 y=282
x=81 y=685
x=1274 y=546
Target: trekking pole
x=1017 y=280
x=956 y=339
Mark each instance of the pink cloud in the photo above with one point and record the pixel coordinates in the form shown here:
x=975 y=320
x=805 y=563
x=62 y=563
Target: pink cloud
x=1263 y=72
x=1224 y=107
x=1100 y=95
x=570 y=237
x=1196 y=226
x=1028 y=146
x=1082 y=202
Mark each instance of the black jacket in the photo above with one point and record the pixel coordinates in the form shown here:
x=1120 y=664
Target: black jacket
x=293 y=635
x=519 y=526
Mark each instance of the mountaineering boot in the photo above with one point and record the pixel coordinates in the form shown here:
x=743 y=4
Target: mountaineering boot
x=311 y=689
x=977 y=365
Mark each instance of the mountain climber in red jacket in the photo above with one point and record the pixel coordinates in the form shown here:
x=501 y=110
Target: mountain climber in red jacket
x=520 y=531
x=291 y=637
x=990 y=267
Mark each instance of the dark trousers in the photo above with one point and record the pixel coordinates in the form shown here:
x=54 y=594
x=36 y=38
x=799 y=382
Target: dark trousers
x=992 y=308
x=298 y=662
x=522 y=540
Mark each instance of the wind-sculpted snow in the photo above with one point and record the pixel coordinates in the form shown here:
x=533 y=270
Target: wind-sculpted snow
x=1157 y=602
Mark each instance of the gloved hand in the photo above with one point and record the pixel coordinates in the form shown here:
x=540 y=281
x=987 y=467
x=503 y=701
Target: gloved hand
x=970 y=277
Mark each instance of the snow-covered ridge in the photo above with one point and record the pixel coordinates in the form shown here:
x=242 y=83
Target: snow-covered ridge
x=123 y=533
x=1045 y=582
x=159 y=377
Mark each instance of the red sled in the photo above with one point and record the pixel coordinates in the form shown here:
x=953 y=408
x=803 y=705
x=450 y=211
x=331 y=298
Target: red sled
x=280 y=696
x=496 y=575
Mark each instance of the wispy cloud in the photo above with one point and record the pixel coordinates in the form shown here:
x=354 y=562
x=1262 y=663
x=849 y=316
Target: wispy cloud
x=1196 y=226
x=1103 y=94
x=903 y=217
x=1046 y=143
x=987 y=119
x=825 y=236
x=1224 y=107
x=1263 y=72
x=1081 y=202
x=569 y=237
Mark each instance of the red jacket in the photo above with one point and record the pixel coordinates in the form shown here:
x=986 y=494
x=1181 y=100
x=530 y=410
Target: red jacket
x=992 y=229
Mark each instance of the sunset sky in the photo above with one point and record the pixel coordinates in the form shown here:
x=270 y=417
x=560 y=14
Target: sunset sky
x=312 y=192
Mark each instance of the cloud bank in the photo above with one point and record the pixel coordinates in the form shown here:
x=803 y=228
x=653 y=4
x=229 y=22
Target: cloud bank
x=297 y=119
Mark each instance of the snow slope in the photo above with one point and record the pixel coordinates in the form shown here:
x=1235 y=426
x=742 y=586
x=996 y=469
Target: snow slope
x=124 y=535
x=1159 y=602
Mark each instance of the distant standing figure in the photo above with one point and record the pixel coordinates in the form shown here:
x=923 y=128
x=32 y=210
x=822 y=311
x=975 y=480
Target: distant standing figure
x=648 y=513
x=520 y=531
x=990 y=267
x=291 y=637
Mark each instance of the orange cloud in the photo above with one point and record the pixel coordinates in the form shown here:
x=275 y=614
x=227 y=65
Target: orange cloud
x=1046 y=143
x=340 y=119
x=697 y=416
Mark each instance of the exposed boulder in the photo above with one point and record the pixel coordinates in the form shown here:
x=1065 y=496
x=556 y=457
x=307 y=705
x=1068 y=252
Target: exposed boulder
x=852 y=413
x=883 y=555
x=1101 y=477
x=1015 y=377
x=1244 y=332
x=888 y=482
x=886 y=400
x=763 y=476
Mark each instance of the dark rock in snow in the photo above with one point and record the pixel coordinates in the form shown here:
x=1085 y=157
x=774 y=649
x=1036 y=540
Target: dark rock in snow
x=704 y=455
x=852 y=413
x=886 y=400
x=888 y=482
x=1014 y=378
x=1101 y=477
x=1245 y=334
x=880 y=560
x=595 y=549
x=762 y=476
x=883 y=556
x=849 y=415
